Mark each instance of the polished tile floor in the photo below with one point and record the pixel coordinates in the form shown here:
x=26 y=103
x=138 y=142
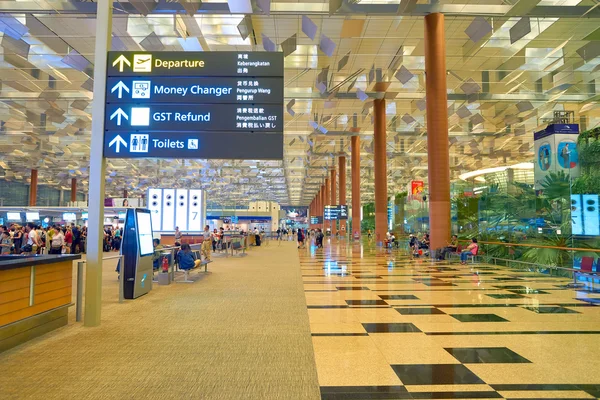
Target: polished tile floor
x=385 y=326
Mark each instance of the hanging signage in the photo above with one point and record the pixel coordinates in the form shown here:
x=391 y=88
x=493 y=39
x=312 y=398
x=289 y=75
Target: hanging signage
x=417 y=187
x=204 y=117
x=555 y=149
x=316 y=220
x=224 y=145
x=335 y=212
x=200 y=63
x=218 y=105
x=195 y=90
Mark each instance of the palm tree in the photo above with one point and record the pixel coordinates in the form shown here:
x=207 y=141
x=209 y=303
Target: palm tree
x=556 y=189
x=399 y=200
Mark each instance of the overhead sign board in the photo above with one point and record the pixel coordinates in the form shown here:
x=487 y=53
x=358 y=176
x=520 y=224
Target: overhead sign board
x=200 y=90
x=316 y=220
x=194 y=105
x=221 y=145
x=199 y=63
x=194 y=117
x=334 y=212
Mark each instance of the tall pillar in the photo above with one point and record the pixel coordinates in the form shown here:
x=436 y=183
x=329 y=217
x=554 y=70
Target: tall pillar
x=342 y=172
x=97 y=177
x=73 y=189
x=323 y=201
x=333 y=193
x=355 y=166
x=380 y=157
x=33 y=187
x=327 y=201
x=317 y=206
x=438 y=160
x=312 y=211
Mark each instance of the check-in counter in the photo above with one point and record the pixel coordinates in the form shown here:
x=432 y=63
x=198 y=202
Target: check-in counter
x=168 y=239
x=35 y=293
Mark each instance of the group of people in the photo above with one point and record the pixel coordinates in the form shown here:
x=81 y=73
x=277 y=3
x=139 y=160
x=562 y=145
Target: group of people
x=286 y=232
x=419 y=246
x=112 y=238
x=186 y=258
x=31 y=239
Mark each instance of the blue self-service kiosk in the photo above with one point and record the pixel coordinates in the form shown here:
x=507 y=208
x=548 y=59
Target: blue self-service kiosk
x=137 y=247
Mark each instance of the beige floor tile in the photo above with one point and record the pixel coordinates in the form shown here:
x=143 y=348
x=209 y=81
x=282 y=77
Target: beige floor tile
x=584 y=372
x=376 y=314
x=341 y=327
x=351 y=361
x=343 y=315
x=412 y=348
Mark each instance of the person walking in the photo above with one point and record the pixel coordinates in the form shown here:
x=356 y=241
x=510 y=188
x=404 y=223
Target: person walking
x=5 y=243
x=76 y=239
x=178 y=236
x=68 y=239
x=206 y=243
x=300 y=238
x=57 y=243
x=18 y=238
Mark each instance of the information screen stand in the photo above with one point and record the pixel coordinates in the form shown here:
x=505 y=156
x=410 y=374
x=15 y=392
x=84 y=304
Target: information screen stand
x=137 y=249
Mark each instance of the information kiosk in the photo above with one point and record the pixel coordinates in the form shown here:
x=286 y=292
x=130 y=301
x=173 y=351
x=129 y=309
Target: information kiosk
x=138 y=249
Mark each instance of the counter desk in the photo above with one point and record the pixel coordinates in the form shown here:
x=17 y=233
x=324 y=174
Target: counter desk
x=168 y=239
x=35 y=293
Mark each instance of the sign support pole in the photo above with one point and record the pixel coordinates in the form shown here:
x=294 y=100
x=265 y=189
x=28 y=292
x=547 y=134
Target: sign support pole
x=93 y=281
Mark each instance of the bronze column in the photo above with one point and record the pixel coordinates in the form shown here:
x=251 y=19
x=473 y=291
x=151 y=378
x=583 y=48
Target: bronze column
x=333 y=198
x=73 y=189
x=323 y=201
x=355 y=166
x=380 y=157
x=438 y=161
x=327 y=201
x=342 y=183
x=33 y=187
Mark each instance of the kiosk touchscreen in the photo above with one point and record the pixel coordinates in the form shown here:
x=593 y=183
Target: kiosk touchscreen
x=137 y=248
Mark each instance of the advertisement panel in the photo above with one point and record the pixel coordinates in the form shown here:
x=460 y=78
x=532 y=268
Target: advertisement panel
x=555 y=149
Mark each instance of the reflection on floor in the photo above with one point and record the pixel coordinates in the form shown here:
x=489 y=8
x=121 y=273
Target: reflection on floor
x=385 y=326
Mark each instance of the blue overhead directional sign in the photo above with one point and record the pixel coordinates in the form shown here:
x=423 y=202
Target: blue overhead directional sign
x=194 y=117
x=194 y=105
x=195 y=63
x=224 y=145
x=195 y=90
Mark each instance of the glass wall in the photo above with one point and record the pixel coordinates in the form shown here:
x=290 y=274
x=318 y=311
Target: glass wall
x=13 y=193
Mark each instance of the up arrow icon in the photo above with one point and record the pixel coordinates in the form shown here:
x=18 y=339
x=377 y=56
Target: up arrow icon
x=117 y=142
x=121 y=60
x=119 y=113
x=120 y=87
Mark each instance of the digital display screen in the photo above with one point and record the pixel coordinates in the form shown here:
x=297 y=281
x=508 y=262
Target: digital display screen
x=69 y=216
x=32 y=216
x=84 y=215
x=13 y=216
x=121 y=215
x=144 y=230
x=316 y=220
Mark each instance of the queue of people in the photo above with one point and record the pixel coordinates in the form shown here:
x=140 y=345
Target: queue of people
x=32 y=238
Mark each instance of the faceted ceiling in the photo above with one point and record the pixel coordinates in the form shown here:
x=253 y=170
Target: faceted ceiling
x=510 y=64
